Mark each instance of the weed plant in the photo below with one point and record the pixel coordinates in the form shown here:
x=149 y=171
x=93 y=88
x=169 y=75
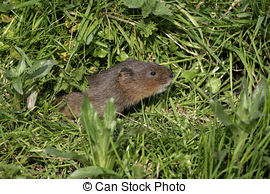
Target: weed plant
x=213 y=122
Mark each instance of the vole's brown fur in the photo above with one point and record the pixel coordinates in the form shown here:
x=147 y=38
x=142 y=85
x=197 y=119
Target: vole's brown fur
x=127 y=82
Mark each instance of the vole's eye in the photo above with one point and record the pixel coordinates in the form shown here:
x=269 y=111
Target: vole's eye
x=153 y=73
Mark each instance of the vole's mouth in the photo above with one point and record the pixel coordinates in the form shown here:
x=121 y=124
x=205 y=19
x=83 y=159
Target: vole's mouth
x=164 y=87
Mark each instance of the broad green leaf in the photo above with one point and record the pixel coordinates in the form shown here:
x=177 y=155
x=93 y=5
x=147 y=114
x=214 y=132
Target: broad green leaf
x=41 y=68
x=253 y=116
x=21 y=67
x=100 y=133
x=27 y=3
x=148 y=7
x=15 y=73
x=244 y=102
x=68 y=155
x=259 y=94
x=5 y=7
x=23 y=55
x=100 y=52
x=219 y=112
x=109 y=34
x=14 y=53
x=190 y=74
x=92 y=172
x=90 y=120
x=110 y=115
x=10 y=169
x=133 y=3
x=122 y=57
x=64 y=86
x=146 y=29
x=214 y=84
x=10 y=74
x=78 y=73
x=92 y=34
x=3 y=46
x=4 y=18
x=162 y=9
x=17 y=84
x=220 y=155
x=138 y=171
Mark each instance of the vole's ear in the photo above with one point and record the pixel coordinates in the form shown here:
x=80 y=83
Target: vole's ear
x=125 y=75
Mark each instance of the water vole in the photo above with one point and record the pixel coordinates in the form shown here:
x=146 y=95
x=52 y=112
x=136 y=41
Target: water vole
x=127 y=82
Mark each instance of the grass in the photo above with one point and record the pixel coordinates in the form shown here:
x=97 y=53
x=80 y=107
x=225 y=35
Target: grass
x=213 y=122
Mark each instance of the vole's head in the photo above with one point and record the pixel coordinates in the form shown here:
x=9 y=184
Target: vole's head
x=143 y=79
